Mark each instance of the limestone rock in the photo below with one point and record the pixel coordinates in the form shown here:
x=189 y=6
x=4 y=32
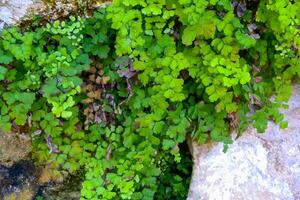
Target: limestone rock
x=11 y=11
x=16 y=11
x=256 y=166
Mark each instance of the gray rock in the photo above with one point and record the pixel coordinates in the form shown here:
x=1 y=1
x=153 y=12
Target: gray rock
x=16 y=11
x=256 y=166
x=11 y=11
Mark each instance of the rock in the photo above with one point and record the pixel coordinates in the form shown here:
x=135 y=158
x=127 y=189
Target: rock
x=13 y=148
x=49 y=174
x=25 y=181
x=17 y=11
x=69 y=189
x=24 y=194
x=256 y=166
x=11 y=11
x=18 y=181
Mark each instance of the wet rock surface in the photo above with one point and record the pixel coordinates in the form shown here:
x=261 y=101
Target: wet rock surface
x=256 y=166
x=22 y=179
x=25 y=181
x=17 y=181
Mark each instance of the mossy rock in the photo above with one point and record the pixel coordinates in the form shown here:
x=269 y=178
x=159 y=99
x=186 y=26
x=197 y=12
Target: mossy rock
x=13 y=148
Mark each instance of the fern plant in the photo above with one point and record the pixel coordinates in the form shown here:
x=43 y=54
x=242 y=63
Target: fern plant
x=116 y=95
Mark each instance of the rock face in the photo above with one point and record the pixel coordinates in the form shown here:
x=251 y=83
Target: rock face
x=256 y=166
x=11 y=11
x=15 y=11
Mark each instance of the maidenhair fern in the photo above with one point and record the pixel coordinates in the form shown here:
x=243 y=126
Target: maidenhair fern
x=117 y=94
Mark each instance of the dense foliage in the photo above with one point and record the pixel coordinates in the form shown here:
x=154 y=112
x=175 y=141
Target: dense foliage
x=118 y=93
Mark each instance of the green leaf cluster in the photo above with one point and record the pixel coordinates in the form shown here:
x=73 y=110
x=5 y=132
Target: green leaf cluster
x=177 y=69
